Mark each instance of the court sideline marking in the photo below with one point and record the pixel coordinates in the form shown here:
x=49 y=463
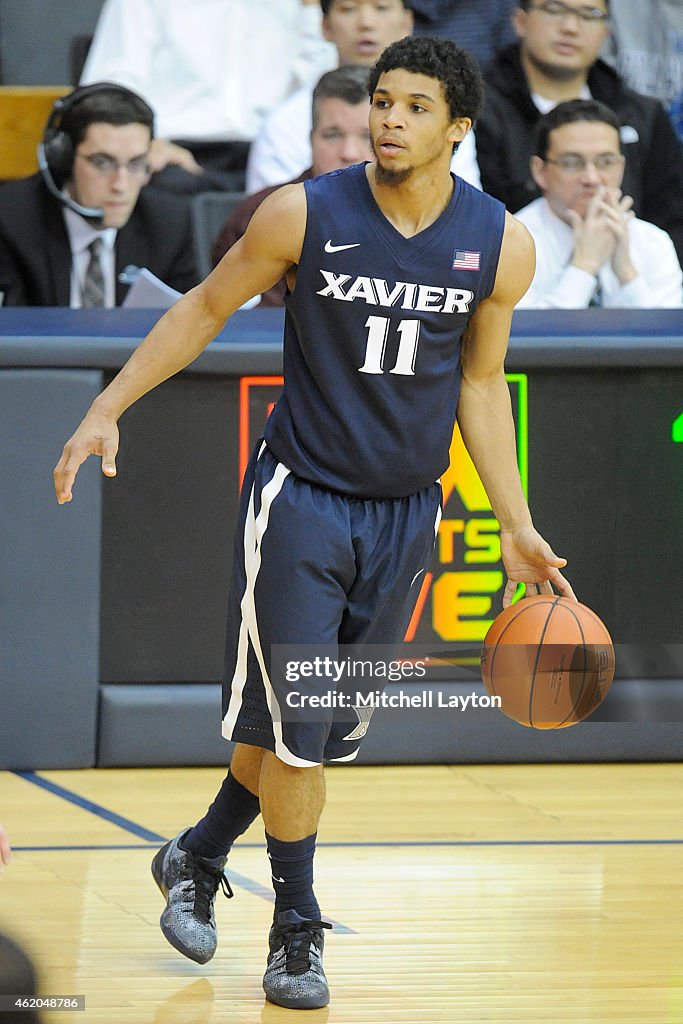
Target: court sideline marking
x=154 y=837
x=243 y=881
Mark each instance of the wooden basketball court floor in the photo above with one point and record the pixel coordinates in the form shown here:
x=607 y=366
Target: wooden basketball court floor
x=521 y=893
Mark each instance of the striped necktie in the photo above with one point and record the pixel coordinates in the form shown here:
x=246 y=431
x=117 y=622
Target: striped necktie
x=92 y=293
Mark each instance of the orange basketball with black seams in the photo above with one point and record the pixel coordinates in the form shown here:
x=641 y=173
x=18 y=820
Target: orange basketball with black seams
x=550 y=660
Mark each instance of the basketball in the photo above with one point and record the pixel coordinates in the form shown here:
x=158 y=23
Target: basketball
x=549 y=659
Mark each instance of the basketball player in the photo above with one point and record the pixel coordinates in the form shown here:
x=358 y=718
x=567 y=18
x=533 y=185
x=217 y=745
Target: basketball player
x=403 y=280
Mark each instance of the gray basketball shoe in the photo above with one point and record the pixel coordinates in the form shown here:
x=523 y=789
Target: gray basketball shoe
x=294 y=974
x=189 y=885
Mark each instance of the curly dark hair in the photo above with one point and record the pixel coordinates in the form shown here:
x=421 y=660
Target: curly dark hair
x=441 y=59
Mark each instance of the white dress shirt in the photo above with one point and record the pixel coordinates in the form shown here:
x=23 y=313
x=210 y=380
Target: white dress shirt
x=81 y=234
x=557 y=285
x=210 y=69
x=282 y=149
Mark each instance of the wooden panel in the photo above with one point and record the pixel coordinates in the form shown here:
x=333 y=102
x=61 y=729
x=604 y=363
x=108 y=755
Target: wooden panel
x=24 y=111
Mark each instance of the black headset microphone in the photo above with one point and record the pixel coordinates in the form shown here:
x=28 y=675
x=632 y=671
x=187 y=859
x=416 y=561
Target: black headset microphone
x=90 y=213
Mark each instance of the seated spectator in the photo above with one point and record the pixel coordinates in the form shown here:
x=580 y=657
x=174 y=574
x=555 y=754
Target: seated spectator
x=555 y=60
x=483 y=27
x=211 y=71
x=590 y=248
x=340 y=137
x=360 y=31
x=74 y=234
x=648 y=51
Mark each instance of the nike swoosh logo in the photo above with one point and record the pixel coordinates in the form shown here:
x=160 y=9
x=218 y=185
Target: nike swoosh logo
x=338 y=248
x=275 y=879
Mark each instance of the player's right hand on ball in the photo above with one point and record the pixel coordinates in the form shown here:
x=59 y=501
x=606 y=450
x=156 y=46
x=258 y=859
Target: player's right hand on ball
x=97 y=435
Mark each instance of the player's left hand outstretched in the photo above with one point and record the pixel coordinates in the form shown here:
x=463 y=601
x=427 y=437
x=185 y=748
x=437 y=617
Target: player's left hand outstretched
x=530 y=559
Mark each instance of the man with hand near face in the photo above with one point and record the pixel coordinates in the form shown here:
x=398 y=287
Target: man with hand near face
x=591 y=249
x=555 y=60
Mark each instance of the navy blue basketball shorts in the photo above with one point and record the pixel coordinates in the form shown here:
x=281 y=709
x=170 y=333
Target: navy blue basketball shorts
x=316 y=569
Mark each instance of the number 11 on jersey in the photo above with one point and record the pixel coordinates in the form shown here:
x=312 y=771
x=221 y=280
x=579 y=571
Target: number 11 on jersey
x=378 y=332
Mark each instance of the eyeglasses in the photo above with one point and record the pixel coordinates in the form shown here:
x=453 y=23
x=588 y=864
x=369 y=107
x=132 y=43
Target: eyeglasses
x=105 y=165
x=558 y=9
x=575 y=164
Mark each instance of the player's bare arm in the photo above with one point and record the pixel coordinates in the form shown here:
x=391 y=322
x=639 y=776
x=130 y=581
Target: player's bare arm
x=268 y=250
x=486 y=423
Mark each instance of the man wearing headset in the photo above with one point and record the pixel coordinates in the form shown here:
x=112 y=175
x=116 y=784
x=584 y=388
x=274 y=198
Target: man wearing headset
x=76 y=233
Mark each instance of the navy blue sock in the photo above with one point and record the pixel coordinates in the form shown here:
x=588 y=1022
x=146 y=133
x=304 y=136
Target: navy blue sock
x=231 y=814
x=291 y=865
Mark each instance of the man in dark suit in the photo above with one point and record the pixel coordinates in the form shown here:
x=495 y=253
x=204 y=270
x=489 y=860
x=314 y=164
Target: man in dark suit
x=52 y=253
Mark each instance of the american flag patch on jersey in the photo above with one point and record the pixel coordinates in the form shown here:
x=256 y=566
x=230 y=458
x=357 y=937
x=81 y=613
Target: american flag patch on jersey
x=465 y=260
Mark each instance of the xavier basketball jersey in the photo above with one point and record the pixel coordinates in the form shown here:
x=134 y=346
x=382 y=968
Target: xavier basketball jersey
x=372 y=337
